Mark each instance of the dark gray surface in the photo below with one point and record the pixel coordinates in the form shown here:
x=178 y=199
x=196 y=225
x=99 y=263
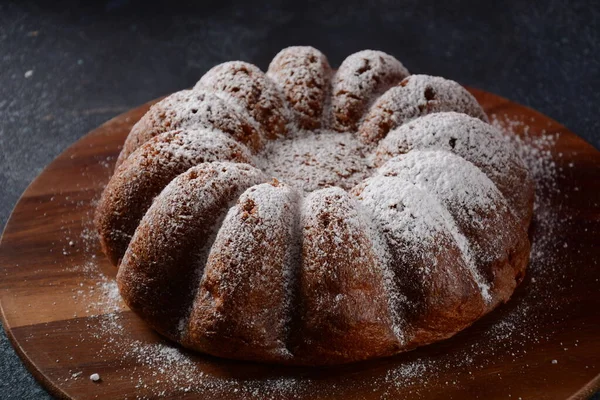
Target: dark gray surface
x=90 y=64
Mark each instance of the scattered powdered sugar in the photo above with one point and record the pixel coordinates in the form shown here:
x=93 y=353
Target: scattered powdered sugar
x=536 y=153
x=110 y=297
x=314 y=160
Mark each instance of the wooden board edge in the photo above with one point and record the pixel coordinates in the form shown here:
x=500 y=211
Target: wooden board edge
x=47 y=384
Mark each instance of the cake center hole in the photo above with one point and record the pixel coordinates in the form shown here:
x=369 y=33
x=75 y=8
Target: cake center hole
x=314 y=160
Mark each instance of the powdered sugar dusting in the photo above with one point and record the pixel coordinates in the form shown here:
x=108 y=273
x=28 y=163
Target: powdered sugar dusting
x=475 y=141
x=512 y=332
x=361 y=77
x=193 y=147
x=246 y=86
x=302 y=74
x=416 y=96
x=314 y=160
x=261 y=226
x=194 y=109
x=413 y=218
x=382 y=252
x=450 y=177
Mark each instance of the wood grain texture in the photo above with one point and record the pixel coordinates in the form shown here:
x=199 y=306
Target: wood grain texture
x=53 y=274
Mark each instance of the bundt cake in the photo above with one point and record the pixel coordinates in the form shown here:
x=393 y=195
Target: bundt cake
x=313 y=216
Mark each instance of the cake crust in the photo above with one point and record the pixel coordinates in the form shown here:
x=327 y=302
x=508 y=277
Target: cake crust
x=307 y=216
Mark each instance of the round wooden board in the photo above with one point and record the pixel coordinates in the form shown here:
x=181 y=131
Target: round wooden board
x=59 y=310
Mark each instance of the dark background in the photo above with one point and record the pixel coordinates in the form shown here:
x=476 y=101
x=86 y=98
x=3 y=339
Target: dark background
x=66 y=68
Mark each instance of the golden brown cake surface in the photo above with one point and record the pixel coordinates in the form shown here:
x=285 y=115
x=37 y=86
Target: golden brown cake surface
x=311 y=216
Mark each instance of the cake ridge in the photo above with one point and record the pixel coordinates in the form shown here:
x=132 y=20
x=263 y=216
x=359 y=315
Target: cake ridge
x=360 y=80
x=334 y=279
x=176 y=112
x=251 y=89
x=474 y=140
x=303 y=75
x=144 y=174
x=415 y=96
x=229 y=278
x=433 y=202
x=239 y=108
x=164 y=228
x=418 y=224
x=469 y=192
x=382 y=251
x=215 y=229
x=457 y=186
